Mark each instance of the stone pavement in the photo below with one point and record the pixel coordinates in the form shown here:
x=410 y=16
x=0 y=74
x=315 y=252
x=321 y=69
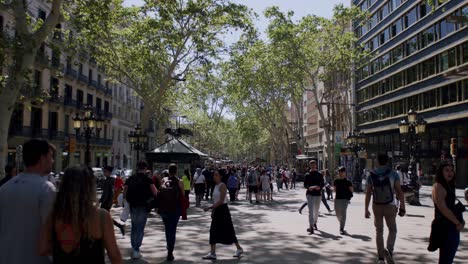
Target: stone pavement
x=274 y=232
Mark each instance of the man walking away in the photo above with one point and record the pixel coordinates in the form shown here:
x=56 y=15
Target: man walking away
x=382 y=184
x=107 y=197
x=232 y=185
x=252 y=182
x=344 y=193
x=293 y=179
x=25 y=203
x=199 y=184
x=209 y=183
x=314 y=183
x=139 y=189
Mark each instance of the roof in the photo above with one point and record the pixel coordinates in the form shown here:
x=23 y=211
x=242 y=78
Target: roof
x=178 y=146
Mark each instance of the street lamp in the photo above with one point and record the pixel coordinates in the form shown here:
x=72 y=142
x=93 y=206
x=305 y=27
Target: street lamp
x=138 y=139
x=87 y=126
x=411 y=127
x=356 y=141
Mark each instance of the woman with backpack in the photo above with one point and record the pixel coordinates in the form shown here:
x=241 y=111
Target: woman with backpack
x=448 y=220
x=222 y=229
x=77 y=231
x=171 y=207
x=344 y=192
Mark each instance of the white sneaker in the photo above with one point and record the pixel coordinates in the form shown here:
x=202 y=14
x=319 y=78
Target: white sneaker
x=136 y=255
x=210 y=256
x=381 y=261
x=238 y=253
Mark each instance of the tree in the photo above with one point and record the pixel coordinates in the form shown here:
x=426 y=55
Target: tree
x=153 y=47
x=20 y=42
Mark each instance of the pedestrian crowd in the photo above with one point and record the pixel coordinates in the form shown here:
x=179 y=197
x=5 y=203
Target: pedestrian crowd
x=67 y=224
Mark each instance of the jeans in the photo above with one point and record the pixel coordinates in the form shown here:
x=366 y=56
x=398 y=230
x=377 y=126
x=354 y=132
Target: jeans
x=449 y=247
x=170 y=224
x=313 y=202
x=209 y=187
x=389 y=212
x=139 y=215
x=341 y=205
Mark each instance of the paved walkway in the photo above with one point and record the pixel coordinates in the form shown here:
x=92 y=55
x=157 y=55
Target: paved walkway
x=274 y=232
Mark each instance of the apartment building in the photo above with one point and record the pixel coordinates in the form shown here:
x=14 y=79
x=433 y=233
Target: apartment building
x=127 y=107
x=62 y=85
x=418 y=62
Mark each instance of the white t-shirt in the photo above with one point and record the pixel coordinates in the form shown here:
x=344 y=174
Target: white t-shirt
x=199 y=178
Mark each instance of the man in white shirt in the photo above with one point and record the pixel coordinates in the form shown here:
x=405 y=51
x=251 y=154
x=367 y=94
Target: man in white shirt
x=25 y=203
x=199 y=183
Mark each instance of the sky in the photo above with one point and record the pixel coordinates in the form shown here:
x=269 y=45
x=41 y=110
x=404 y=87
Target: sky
x=301 y=8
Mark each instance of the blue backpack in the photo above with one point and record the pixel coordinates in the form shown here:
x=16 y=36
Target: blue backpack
x=233 y=182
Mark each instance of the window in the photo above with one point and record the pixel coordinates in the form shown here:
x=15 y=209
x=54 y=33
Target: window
x=452 y=58
x=374 y=66
x=411 y=75
x=80 y=68
x=384 y=11
x=428 y=67
x=54 y=87
x=465 y=90
x=449 y=94
x=430 y=99
x=79 y=98
x=411 y=46
x=424 y=9
x=37 y=80
x=105 y=131
x=118 y=135
x=397 y=54
x=106 y=107
x=1 y=23
x=446 y=28
x=385 y=60
x=99 y=79
x=373 y=20
x=364 y=6
x=397 y=80
x=465 y=52
x=90 y=75
x=396 y=28
x=412 y=17
x=89 y=100
x=384 y=36
x=66 y=122
x=447 y=59
x=395 y=4
x=427 y=37
x=98 y=104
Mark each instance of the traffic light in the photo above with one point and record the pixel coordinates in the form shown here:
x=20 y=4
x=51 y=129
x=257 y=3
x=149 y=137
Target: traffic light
x=453 y=146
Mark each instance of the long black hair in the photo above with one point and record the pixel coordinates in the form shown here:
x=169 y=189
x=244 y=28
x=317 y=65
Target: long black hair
x=441 y=179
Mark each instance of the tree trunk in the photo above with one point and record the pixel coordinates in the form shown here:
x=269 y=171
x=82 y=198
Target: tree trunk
x=7 y=99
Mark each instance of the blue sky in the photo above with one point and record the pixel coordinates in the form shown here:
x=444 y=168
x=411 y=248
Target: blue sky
x=300 y=7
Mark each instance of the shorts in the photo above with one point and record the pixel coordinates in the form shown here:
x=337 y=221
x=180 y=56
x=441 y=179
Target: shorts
x=267 y=189
x=253 y=189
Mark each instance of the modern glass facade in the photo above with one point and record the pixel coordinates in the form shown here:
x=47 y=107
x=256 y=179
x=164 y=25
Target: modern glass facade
x=418 y=60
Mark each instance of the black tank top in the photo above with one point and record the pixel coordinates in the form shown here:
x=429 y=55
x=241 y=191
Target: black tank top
x=450 y=202
x=90 y=250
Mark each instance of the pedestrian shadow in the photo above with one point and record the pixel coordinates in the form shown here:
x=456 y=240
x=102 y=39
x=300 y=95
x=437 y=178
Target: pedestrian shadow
x=324 y=234
x=413 y=215
x=361 y=237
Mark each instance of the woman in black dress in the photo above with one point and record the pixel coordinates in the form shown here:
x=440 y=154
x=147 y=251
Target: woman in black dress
x=448 y=221
x=222 y=229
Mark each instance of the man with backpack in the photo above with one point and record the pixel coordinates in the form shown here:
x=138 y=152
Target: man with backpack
x=170 y=207
x=382 y=184
x=252 y=183
x=139 y=190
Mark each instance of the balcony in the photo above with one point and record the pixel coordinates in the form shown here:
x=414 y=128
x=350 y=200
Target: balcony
x=54 y=98
x=80 y=105
x=68 y=101
x=93 y=83
x=107 y=115
x=55 y=135
x=102 y=87
x=82 y=78
x=109 y=91
x=72 y=74
x=95 y=141
x=55 y=62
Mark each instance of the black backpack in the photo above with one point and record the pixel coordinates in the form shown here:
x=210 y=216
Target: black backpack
x=138 y=190
x=169 y=195
x=383 y=191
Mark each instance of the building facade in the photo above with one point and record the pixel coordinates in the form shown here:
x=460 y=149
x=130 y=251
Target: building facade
x=62 y=85
x=127 y=109
x=418 y=61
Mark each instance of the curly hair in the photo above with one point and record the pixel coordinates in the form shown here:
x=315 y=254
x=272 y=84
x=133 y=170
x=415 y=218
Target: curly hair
x=75 y=200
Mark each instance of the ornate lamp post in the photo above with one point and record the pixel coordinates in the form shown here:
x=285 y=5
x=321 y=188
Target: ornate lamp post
x=356 y=141
x=87 y=126
x=411 y=127
x=138 y=139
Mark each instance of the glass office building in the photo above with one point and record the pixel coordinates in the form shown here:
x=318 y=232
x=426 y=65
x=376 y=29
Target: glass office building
x=418 y=61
